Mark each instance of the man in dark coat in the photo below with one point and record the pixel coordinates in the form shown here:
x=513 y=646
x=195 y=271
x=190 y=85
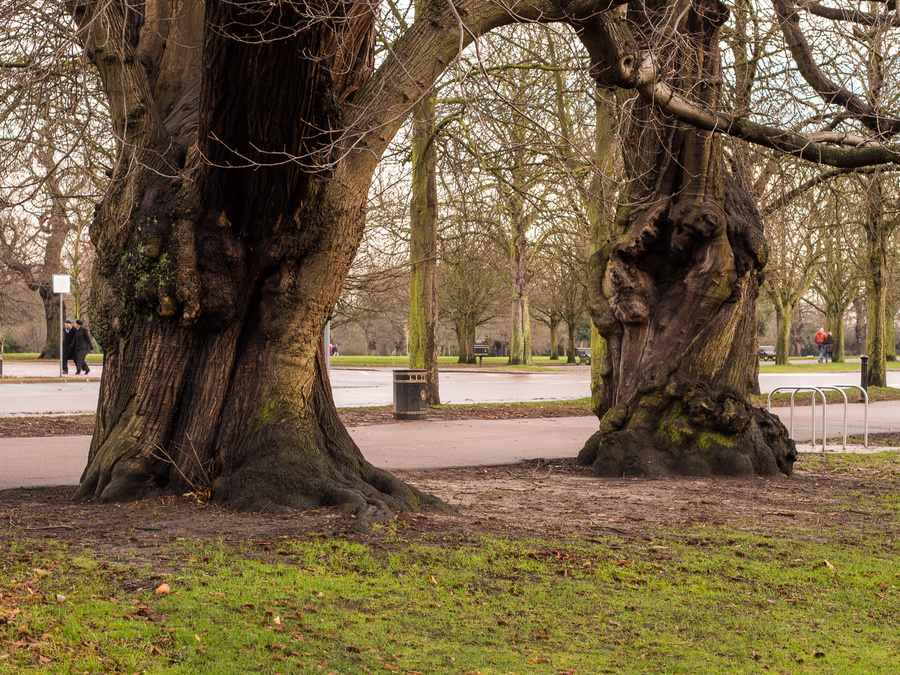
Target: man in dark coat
x=82 y=347
x=68 y=346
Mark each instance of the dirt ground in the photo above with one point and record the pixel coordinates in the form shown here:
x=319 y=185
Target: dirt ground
x=533 y=499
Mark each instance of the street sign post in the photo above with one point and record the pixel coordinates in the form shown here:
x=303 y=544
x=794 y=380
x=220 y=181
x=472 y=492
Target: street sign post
x=62 y=283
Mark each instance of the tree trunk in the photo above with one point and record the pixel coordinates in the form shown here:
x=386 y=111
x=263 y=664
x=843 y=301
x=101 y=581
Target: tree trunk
x=520 y=319
x=834 y=322
x=53 y=321
x=520 y=315
x=570 y=342
x=601 y=216
x=859 y=325
x=876 y=326
x=877 y=236
x=461 y=341
x=219 y=263
x=783 y=316
x=598 y=360
x=553 y=323
x=423 y=312
x=240 y=405
x=676 y=299
x=471 y=326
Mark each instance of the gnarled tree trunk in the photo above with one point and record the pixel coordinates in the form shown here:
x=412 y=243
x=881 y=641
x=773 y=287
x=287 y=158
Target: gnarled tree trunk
x=676 y=297
x=222 y=245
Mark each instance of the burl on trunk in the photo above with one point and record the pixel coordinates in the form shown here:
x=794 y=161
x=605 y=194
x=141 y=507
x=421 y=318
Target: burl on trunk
x=675 y=292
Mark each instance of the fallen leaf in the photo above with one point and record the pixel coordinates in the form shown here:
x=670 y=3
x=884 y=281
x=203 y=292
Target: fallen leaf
x=829 y=565
x=163 y=589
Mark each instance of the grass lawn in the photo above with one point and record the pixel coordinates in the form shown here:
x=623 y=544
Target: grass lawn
x=94 y=357
x=799 y=579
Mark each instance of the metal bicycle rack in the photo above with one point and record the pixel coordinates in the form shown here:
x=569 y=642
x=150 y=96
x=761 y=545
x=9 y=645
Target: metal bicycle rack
x=821 y=392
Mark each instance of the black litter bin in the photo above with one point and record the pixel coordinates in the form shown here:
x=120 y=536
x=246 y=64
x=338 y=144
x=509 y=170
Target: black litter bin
x=409 y=395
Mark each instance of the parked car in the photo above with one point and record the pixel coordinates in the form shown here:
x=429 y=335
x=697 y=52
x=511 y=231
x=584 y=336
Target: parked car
x=766 y=353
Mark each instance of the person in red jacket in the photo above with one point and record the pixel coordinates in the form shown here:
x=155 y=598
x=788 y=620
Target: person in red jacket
x=820 y=341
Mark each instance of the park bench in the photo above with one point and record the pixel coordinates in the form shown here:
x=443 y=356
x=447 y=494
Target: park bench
x=584 y=355
x=767 y=352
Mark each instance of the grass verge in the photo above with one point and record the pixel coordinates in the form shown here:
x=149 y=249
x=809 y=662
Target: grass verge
x=695 y=595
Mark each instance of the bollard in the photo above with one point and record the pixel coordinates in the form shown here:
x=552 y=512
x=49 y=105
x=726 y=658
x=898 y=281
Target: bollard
x=864 y=373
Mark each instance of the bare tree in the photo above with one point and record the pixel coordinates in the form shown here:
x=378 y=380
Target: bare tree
x=839 y=274
x=54 y=145
x=795 y=251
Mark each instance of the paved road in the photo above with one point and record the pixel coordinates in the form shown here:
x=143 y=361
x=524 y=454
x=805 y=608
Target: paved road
x=352 y=387
x=366 y=387
x=33 y=462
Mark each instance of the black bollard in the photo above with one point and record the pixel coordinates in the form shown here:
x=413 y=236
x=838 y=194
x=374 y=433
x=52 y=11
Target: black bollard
x=864 y=372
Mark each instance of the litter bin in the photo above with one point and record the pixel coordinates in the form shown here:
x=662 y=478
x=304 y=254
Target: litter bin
x=409 y=395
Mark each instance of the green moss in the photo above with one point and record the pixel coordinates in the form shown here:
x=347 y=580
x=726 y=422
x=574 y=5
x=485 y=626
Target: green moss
x=674 y=429
x=708 y=441
x=140 y=280
x=267 y=413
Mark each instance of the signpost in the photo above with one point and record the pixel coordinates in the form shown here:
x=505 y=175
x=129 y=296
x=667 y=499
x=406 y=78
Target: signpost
x=62 y=283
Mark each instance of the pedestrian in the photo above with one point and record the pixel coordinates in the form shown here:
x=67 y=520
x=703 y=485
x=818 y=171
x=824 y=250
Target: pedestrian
x=820 y=342
x=68 y=346
x=829 y=347
x=82 y=346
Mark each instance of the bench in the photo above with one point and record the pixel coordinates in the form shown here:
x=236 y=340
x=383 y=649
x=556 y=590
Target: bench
x=584 y=355
x=767 y=352
x=481 y=350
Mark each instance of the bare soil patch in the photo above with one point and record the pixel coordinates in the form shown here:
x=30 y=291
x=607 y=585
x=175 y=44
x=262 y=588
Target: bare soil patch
x=541 y=500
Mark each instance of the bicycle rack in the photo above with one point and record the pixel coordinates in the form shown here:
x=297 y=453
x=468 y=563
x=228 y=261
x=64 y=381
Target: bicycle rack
x=820 y=391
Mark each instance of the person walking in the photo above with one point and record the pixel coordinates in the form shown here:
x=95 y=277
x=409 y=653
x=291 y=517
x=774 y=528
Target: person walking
x=68 y=346
x=829 y=347
x=82 y=346
x=820 y=342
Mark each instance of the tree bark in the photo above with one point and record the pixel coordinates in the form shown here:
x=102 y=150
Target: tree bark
x=50 y=302
x=462 y=341
x=570 y=342
x=553 y=324
x=783 y=314
x=220 y=256
x=676 y=298
x=423 y=310
x=878 y=232
x=471 y=327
